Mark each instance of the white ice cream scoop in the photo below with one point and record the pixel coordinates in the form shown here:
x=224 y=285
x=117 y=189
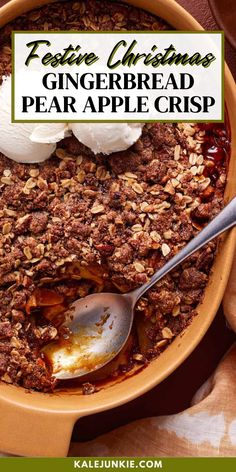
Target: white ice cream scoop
x=106 y=138
x=49 y=133
x=15 y=141
x=32 y=142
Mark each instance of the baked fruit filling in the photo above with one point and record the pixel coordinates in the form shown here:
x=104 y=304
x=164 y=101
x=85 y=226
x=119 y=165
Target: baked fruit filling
x=81 y=223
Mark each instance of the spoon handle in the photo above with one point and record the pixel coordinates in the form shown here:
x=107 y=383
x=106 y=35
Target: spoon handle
x=223 y=221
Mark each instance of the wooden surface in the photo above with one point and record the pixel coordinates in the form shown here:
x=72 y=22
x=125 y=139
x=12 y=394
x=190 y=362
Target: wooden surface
x=175 y=393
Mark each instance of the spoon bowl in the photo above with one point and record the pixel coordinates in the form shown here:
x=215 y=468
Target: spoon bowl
x=100 y=325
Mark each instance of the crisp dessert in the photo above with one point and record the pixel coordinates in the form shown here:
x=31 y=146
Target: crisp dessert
x=80 y=222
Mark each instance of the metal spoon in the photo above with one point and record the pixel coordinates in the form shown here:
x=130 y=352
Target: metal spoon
x=101 y=323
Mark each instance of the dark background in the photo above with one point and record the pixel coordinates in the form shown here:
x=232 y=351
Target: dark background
x=175 y=393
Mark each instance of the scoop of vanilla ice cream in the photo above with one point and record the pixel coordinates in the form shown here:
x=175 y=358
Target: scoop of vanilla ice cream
x=31 y=143
x=15 y=141
x=106 y=138
x=49 y=133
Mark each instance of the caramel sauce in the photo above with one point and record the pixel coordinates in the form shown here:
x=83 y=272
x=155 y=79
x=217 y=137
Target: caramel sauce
x=76 y=347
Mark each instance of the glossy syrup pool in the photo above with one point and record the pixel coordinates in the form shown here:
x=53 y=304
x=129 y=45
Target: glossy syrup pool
x=216 y=148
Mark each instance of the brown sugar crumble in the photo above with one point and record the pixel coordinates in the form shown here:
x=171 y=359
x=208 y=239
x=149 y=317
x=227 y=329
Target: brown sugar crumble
x=80 y=223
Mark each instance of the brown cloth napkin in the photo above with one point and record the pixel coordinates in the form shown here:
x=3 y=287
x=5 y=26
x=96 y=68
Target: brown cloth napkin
x=206 y=428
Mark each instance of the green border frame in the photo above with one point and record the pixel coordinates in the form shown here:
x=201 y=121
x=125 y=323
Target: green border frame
x=141 y=464
x=14 y=33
